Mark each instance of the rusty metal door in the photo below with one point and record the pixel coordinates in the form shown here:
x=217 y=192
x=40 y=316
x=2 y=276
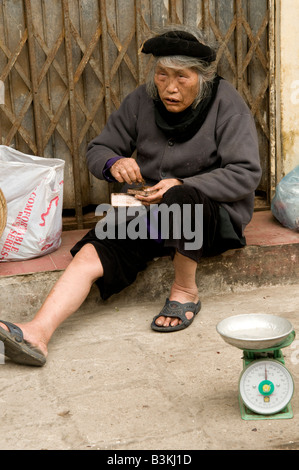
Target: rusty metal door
x=65 y=65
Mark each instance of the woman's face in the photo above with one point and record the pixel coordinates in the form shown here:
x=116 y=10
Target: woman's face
x=177 y=88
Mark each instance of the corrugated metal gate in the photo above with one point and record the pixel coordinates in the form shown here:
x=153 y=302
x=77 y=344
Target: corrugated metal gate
x=67 y=64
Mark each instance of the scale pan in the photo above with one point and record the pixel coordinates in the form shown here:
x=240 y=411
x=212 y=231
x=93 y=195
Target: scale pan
x=254 y=331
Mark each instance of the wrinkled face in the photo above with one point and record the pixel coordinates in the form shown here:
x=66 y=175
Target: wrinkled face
x=177 y=87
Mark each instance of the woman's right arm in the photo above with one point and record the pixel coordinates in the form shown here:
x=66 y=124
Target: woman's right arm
x=118 y=139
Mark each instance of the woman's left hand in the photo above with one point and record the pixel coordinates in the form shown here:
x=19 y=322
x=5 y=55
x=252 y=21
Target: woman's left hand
x=160 y=189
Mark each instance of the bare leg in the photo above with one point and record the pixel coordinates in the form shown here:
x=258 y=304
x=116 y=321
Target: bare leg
x=65 y=298
x=184 y=288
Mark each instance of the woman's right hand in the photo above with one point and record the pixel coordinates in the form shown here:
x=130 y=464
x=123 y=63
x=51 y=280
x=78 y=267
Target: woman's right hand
x=126 y=170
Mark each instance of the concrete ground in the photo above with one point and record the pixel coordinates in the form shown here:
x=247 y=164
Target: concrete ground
x=110 y=382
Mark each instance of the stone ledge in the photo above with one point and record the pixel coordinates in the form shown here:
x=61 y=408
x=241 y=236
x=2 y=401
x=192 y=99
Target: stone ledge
x=234 y=270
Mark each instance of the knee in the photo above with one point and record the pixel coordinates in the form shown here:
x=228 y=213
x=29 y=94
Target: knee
x=88 y=261
x=173 y=194
x=180 y=194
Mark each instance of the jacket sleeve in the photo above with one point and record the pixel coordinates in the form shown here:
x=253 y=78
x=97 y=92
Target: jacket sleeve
x=239 y=169
x=118 y=138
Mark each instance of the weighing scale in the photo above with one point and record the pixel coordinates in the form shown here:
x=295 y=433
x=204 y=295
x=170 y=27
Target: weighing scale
x=265 y=386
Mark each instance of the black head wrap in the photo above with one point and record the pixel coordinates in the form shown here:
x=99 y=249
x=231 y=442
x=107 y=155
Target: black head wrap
x=178 y=43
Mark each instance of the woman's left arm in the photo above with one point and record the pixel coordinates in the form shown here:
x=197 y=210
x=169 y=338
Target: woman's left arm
x=239 y=172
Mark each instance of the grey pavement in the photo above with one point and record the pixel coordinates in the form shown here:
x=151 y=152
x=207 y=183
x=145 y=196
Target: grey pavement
x=112 y=383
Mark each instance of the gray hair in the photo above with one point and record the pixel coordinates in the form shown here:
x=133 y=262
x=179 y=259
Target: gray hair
x=206 y=71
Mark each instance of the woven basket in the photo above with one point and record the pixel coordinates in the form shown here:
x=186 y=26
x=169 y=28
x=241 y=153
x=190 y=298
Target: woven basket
x=3 y=212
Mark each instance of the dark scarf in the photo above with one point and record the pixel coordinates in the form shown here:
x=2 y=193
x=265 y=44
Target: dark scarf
x=183 y=126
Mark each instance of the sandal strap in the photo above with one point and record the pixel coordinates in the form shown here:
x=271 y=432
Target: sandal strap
x=14 y=330
x=173 y=308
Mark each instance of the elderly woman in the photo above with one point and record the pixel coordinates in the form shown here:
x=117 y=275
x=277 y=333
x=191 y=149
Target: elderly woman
x=196 y=145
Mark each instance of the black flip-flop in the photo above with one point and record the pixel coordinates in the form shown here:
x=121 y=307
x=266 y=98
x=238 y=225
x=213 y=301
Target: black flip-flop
x=19 y=350
x=175 y=309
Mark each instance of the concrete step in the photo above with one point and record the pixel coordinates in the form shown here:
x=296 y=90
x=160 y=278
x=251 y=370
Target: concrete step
x=270 y=258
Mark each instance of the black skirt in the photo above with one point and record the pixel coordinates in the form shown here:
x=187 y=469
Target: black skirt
x=123 y=259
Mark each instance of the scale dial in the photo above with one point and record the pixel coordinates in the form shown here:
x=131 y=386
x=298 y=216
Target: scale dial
x=266 y=386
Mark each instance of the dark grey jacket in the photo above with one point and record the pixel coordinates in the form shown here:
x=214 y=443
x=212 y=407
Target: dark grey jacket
x=222 y=159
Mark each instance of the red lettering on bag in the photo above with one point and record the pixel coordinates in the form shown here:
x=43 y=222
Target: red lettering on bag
x=47 y=246
x=15 y=237
x=56 y=199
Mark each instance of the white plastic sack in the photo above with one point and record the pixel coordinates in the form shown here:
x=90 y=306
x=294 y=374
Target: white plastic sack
x=285 y=204
x=33 y=189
